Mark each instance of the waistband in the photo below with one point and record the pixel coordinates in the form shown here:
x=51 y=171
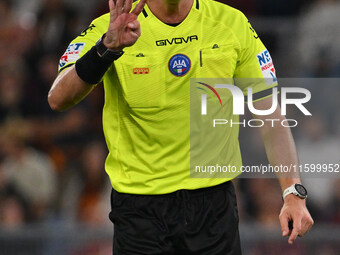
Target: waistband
x=183 y=193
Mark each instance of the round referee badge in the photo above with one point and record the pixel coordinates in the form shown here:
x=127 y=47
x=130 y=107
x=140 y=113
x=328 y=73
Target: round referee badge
x=179 y=65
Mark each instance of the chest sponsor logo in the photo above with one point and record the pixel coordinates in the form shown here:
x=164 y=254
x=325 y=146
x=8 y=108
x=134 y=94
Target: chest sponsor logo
x=177 y=40
x=267 y=67
x=179 y=65
x=71 y=54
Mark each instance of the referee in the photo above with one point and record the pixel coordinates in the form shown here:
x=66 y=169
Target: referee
x=156 y=207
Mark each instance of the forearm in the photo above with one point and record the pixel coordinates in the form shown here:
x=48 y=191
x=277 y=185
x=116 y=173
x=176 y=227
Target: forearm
x=68 y=90
x=279 y=145
x=281 y=151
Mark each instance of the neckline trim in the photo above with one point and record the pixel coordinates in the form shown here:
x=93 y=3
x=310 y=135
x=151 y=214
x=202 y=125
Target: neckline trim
x=146 y=14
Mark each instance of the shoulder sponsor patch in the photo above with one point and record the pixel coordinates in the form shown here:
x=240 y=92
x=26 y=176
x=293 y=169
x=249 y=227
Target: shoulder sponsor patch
x=267 y=67
x=71 y=54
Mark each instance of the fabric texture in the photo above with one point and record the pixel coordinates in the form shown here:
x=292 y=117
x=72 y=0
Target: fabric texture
x=146 y=116
x=190 y=222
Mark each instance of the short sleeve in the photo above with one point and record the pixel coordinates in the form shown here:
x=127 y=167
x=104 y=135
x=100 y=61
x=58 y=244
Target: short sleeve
x=255 y=66
x=84 y=42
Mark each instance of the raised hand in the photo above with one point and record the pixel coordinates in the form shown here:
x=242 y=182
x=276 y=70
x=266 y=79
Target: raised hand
x=124 y=28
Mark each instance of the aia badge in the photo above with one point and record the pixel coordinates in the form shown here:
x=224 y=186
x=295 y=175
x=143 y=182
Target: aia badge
x=179 y=65
x=267 y=67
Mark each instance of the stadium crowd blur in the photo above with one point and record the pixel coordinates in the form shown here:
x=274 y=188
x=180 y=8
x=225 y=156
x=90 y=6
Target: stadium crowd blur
x=52 y=164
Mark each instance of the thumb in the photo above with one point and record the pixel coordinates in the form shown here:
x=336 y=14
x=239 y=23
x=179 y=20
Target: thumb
x=133 y=25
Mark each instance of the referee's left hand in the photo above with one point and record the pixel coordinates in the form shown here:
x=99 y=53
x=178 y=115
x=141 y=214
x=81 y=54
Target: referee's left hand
x=294 y=209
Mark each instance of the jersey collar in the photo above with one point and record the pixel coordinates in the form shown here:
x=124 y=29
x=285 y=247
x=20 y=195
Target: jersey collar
x=147 y=12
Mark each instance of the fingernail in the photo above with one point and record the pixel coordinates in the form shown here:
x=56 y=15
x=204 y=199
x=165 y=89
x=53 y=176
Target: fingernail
x=284 y=233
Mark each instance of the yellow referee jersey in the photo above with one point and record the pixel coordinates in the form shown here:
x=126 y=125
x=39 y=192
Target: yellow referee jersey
x=146 y=116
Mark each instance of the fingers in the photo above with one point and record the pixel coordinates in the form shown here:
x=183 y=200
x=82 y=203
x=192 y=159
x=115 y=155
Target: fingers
x=139 y=7
x=127 y=6
x=135 y=29
x=296 y=231
x=113 y=13
x=296 y=212
x=301 y=225
x=284 y=224
x=119 y=7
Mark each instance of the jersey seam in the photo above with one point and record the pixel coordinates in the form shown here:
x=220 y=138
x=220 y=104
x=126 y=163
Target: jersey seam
x=237 y=40
x=227 y=27
x=118 y=119
x=65 y=67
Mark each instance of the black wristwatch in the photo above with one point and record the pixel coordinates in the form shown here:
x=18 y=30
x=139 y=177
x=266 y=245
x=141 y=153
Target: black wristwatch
x=106 y=53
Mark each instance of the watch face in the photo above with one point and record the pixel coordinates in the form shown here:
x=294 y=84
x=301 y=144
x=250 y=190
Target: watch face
x=301 y=190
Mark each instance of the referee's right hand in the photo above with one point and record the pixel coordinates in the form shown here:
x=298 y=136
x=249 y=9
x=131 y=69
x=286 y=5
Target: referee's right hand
x=124 y=28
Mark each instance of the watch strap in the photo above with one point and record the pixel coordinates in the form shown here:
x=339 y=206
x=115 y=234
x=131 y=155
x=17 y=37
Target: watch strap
x=287 y=191
x=106 y=53
x=292 y=190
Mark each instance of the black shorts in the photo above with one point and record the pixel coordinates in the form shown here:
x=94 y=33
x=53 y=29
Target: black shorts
x=202 y=221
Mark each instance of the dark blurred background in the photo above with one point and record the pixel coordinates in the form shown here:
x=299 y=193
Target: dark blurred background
x=54 y=192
